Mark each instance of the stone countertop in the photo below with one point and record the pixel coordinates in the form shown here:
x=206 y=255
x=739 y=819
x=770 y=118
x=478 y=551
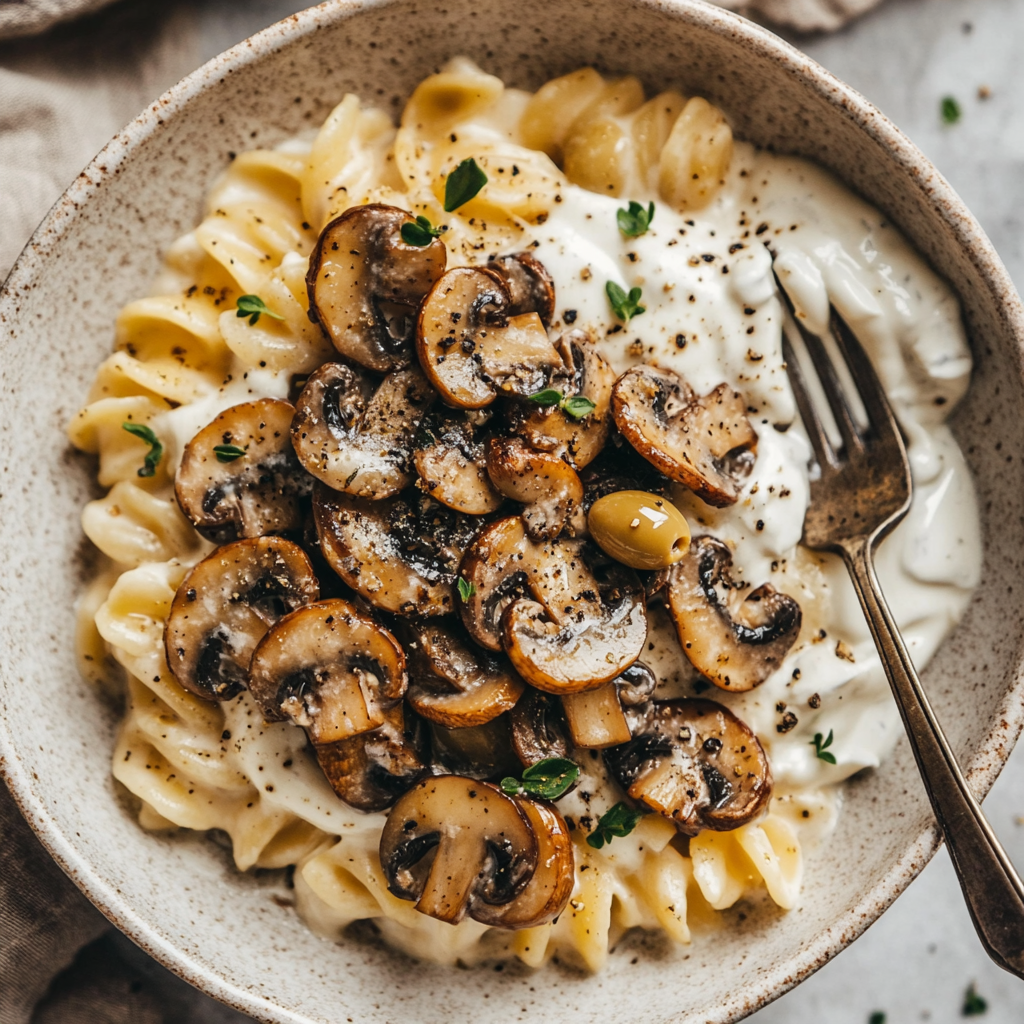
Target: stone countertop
x=917 y=961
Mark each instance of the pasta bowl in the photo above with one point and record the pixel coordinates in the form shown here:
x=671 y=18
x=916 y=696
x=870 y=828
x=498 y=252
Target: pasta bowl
x=236 y=936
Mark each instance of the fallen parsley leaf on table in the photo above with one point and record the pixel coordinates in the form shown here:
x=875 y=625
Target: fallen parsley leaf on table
x=974 y=1005
x=950 y=110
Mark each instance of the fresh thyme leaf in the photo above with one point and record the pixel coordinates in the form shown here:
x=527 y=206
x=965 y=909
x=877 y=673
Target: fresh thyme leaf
x=635 y=221
x=821 y=748
x=974 y=1005
x=228 y=452
x=351 y=477
x=578 y=407
x=624 y=306
x=156 y=449
x=548 y=779
x=420 y=232
x=254 y=307
x=877 y=1018
x=549 y=396
x=950 y=110
x=463 y=183
x=466 y=589
x=615 y=823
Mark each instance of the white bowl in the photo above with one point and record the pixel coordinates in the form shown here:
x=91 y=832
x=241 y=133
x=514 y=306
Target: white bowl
x=178 y=896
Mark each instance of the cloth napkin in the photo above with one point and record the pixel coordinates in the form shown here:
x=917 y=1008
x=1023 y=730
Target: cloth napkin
x=62 y=96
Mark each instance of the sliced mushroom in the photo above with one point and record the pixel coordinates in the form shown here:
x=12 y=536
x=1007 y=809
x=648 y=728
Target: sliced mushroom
x=704 y=442
x=596 y=718
x=329 y=668
x=226 y=604
x=452 y=681
x=364 y=285
x=735 y=641
x=548 y=487
x=473 y=350
x=245 y=495
x=372 y=770
x=549 y=428
x=539 y=729
x=477 y=751
x=550 y=887
x=357 y=436
x=457 y=846
x=697 y=764
x=452 y=467
x=401 y=554
x=529 y=284
x=585 y=624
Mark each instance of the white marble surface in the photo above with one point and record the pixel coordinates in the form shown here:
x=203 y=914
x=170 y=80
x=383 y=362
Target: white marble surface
x=916 y=963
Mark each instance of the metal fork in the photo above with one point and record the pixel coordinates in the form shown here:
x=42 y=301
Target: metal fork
x=864 y=490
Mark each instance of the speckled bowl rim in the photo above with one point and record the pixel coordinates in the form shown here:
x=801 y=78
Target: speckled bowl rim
x=990 y=756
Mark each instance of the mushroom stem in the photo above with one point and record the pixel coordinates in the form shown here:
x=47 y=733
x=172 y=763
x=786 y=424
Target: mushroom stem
x=595 y=717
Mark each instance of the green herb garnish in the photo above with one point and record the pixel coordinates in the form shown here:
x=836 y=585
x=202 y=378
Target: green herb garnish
x=576 y=406
x=624 y=306
x=635 y=221
x=877 y=1018
x=463 y=183
x=228 y=452
x=615 y=823
x=950 y=110
x=254 y=307
x=974 y=1005
x=156 y=449
x=420 y=232
x=549 y=779
x=466 y=589
x=821 y=748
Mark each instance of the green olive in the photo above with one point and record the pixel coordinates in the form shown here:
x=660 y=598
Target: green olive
x=639 y=529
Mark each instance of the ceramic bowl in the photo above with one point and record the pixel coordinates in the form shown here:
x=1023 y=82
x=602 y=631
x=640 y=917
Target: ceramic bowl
x=178 y=896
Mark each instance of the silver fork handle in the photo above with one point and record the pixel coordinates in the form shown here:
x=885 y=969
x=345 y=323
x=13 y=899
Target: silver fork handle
x=991 y=887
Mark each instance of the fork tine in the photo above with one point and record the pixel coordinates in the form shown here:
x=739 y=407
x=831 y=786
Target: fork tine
x=823 y=451
x=876 y=404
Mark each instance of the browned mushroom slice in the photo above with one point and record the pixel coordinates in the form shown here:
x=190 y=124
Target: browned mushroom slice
x=548 y=487
x=457 y=846
x=364 y=285
x=697 y=764
x=356 y=436
x=329 y=668
x=529 y=284
x=549 y=428
x=452 y=467
x=372 y=770
x=251 y=486
x=472 y=350
x=550 y=887
x=453 y=682
x=705 y=442
x=539 y=729
x=226 y=604
x=401 y=554
x=735 y=641
x=585 y=625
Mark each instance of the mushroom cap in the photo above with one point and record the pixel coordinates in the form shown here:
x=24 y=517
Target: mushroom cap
x=372 y=770
x=452 y=467
x=254 y=494
x=530 y=286
x=401 y=554
x=548 y=891
x=539 y=728
x=356 y=436
x=472 y=350
x=364 y=284
x=549 y=488
x=549 y=428
x=735 y=641
x=696 y=763
x=457 y=846
x=705 y=443
x=329 y=668
x=452 y=681
x=226 y=604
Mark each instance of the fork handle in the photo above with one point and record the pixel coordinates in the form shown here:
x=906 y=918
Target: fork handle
x=991 y=887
